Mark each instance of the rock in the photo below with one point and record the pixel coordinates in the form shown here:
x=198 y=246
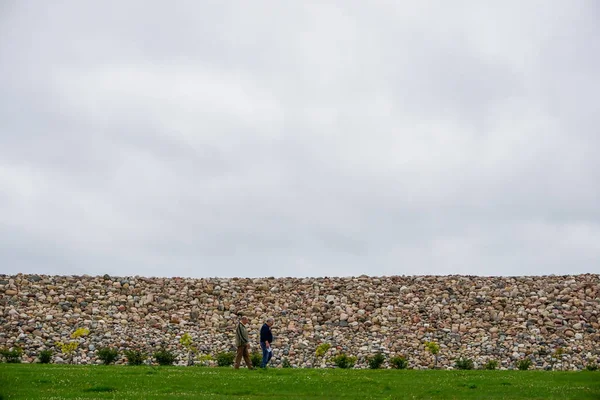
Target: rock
x=569 y=333
x=477 y=317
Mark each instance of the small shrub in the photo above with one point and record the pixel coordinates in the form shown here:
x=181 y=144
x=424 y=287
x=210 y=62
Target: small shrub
x=491 y=364
x=204 y=359
x=225 y=359
x=464 y=363
x=434 y=349
x=376 y=361
x=558 y=352
x=45 y=356
x=12 y=356
x=557 y=356
x=592 y=366
x=68 y=349
x=164 y=357
x=524 y=364
x=256 y=358
x=285 y=363
x=399 y=362
x=135 y=357
x=107 y=355
x=344 y=361
x=322 y=349
x=187 y=342
x=80 y=332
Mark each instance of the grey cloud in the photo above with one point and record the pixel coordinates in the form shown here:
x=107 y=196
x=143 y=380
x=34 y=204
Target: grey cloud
x=212 y=139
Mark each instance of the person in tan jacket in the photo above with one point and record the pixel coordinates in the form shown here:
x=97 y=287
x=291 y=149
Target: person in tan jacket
x=242 y=343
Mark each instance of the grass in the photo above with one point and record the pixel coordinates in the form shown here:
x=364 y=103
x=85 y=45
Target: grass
x=47 y=381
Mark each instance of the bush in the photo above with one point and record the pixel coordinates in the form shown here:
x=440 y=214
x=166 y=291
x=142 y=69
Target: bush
x=225 y=359
x=135 y=357
x=344 y=361
x=491 y=364
x=322 y=349
x=524 y=364
x=399 y=362
x=285 y=363
x=107 y=355
x=464 y=363
x=45 y=356
x=592 y=366
x=256 y=358
x=12 y=356
x=187 y=342
x=80 y=332
x=376 y=361
x=558 y=352
x=432 y=347
x=164 y=357
x=204 y=359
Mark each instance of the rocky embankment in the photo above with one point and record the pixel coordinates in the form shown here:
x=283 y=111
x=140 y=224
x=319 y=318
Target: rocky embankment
x=482 y=318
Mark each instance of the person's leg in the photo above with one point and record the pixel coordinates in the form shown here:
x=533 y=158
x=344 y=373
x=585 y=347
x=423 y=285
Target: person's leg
x=247 y=357
x=238 y=357
x=265 y=355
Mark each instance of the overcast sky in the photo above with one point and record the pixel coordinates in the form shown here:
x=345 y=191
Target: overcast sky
x=315 y=138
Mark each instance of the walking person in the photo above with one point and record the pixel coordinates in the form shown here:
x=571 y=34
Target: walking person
x=242 y=343
x=266 y=339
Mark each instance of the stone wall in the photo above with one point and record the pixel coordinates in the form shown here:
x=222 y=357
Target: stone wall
x=482 y=318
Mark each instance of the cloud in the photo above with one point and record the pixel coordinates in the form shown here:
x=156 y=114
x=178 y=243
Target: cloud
x=273 y=139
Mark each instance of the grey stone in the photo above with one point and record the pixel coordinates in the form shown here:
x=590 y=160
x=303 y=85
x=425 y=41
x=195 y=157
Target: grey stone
x=482 y=316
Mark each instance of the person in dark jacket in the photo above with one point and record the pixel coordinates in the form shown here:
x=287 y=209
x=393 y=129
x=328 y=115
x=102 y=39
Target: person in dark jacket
x=266 y=339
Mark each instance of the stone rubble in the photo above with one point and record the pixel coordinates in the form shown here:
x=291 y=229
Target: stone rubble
x=482 y=318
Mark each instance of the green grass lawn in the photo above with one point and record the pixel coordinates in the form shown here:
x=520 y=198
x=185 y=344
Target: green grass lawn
x=38 y=381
